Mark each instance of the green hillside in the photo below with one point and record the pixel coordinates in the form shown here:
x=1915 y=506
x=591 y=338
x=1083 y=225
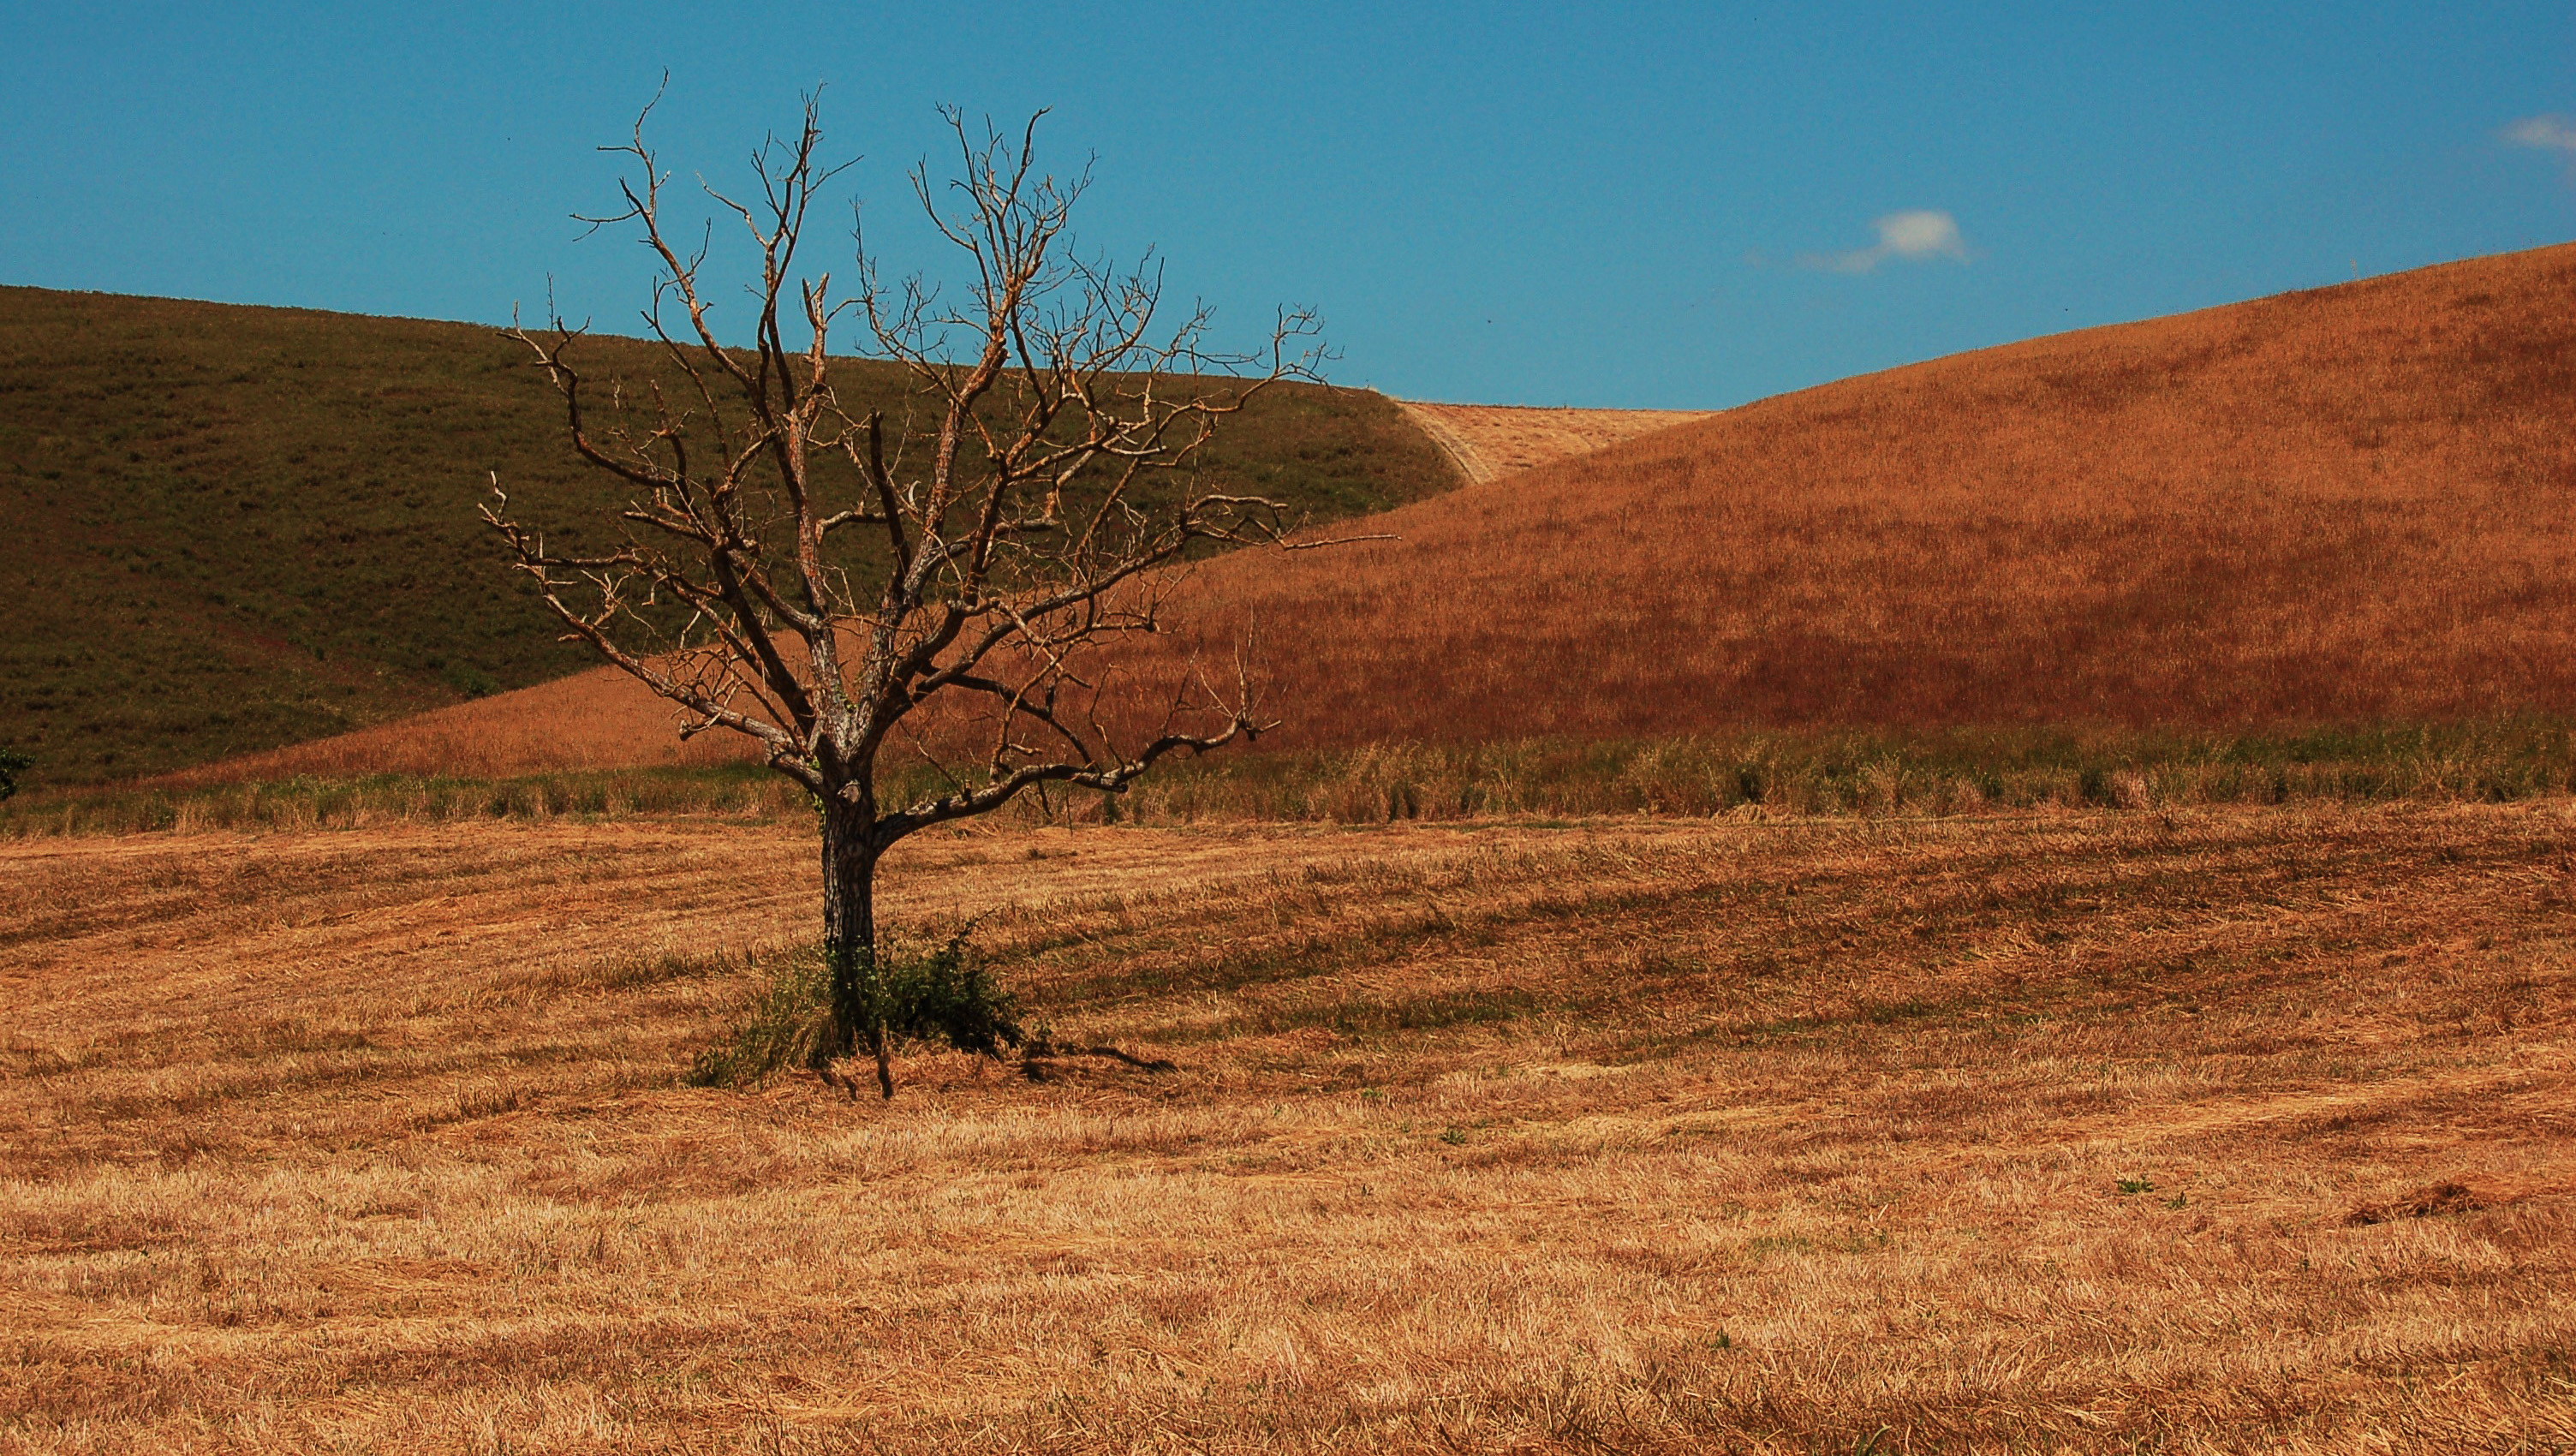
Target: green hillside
x=230 y=528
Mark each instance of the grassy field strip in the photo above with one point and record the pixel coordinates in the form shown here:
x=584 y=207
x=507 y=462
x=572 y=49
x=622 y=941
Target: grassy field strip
x=2212 y=1131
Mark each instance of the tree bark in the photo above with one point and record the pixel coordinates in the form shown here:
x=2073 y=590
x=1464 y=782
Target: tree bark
x=850 y=934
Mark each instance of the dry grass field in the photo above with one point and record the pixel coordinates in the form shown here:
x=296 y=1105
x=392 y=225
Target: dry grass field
x=1490 y=441
x=2210 y=1130
x=2100 y=1074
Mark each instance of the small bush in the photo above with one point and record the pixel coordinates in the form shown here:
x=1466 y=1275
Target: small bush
x=2093 y=788
x=777 y=1027
x=945 y=995
x=12 y=764
x=941 y=994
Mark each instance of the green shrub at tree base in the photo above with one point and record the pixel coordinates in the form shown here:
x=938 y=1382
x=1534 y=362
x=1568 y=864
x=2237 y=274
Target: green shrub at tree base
x=938 y=994
x=943 y=994
x=776 y=1026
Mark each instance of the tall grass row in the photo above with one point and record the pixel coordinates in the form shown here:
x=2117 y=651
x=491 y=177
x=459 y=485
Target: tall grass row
x=1750 y=774
x=360 y=802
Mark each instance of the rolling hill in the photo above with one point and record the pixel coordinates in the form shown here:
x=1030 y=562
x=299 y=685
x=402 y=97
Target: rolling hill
x=2344 y=506
x=233 y=528
x=2350 y=505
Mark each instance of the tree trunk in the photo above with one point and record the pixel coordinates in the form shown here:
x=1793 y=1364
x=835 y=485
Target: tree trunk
x=850 y=936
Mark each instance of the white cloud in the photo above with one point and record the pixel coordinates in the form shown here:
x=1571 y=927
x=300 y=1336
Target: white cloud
x=1914 y=236
x=2557 y=133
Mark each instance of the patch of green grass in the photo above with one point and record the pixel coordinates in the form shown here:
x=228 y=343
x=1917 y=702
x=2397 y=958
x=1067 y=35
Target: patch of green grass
x=233 y=528
x=1762 y=1246
x=774 y=1028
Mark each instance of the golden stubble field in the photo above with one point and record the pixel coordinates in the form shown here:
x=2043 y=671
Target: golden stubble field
x=1490 y=441
x=2224 y=1130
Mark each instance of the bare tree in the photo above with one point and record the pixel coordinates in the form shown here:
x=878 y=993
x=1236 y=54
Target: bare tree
x=788 y=571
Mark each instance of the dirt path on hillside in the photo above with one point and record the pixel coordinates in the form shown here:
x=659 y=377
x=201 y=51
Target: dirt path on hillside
x=1490 y=441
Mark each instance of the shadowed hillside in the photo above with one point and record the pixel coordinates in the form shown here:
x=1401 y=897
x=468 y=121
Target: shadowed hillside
x=231 y=528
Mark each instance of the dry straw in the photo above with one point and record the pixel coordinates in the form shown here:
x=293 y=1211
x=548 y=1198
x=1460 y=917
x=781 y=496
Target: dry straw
x=2217 y=1130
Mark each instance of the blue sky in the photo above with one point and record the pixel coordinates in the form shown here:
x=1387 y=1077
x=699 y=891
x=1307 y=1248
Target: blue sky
x=1657 y=205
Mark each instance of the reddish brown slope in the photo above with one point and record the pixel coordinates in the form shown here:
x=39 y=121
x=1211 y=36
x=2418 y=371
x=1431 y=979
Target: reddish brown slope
x=2348 y=504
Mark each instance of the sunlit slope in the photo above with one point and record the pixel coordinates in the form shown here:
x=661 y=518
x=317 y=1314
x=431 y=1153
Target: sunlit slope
x=1490 y=441
x=2340 y=505
x=230 y=528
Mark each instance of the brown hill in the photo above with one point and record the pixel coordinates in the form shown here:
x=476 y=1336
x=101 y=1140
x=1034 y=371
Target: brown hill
x=2345 y=505
x=2350 y=504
